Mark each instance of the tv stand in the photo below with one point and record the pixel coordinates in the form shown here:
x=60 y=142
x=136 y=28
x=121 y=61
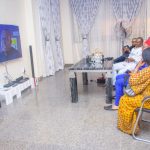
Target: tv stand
x=12 y=91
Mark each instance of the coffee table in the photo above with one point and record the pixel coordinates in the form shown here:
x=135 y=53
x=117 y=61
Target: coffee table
x=85 y=67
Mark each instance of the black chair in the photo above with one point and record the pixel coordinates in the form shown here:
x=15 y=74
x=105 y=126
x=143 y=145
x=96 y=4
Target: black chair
x=140 y=111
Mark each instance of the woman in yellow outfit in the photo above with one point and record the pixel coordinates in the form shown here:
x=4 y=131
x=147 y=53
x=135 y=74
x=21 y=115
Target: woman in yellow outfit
x=140 y=84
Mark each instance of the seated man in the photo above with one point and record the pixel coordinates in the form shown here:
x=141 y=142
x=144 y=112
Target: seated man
x=130 y=63
x=122 y=81
x=133 y=43
x=126 y=51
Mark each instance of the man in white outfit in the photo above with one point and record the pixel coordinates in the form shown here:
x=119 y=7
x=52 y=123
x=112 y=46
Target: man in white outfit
x=131 y=62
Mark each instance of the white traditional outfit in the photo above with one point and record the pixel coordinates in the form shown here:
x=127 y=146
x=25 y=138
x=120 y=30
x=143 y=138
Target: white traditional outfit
x=122 y=67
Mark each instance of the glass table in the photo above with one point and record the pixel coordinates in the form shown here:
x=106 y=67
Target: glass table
x=85 y=67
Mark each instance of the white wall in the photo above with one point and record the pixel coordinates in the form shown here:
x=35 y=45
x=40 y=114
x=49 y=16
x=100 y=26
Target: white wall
x=37 y=35
x=148 y=18
x=19 y=12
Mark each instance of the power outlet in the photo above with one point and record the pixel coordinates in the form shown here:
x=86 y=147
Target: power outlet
x=23 y=71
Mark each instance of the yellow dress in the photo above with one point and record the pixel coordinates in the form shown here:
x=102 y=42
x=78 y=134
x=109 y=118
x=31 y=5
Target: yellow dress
x=140 y=84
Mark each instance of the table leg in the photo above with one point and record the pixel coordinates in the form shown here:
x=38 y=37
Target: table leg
x=74 y=88
x=85 y=78
x=19 y=94
x=109 y=91
x=8 y=98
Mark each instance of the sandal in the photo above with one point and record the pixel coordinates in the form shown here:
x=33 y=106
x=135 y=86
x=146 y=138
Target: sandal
x=109 y=108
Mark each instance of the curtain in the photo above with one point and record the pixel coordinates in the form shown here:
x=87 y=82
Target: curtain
x=51 y=36
x=85 y=12
x=44 y=12
x=103 y=34
x=125 y=12
x=55 y=9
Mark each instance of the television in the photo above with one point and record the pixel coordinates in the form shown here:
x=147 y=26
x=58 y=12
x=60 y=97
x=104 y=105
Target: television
x=10 y=45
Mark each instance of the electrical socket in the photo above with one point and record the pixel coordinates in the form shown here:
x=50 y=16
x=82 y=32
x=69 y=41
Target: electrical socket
x=23 y=71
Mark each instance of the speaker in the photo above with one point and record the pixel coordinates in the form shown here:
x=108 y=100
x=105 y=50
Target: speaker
x=32 y=62
x=32 y=65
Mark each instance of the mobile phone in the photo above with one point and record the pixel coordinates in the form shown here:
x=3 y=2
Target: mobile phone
x=128 y=71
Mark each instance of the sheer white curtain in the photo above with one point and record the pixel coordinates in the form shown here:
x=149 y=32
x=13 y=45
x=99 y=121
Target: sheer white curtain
x=55 y=11
x=103 y=33
x=45 y=20
x=51 y=36
x=125 y=13
x=85 y=12
x=139 y=25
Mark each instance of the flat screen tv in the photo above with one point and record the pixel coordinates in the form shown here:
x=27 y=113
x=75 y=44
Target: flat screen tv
x=10 y=45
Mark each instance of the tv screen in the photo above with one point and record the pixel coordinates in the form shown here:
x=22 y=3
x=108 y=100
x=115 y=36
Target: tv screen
x=10 y=45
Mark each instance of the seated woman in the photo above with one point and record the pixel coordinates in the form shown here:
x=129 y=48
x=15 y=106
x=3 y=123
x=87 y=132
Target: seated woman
x=140 y=84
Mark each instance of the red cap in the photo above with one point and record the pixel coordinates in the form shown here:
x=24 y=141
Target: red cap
x=148 y=41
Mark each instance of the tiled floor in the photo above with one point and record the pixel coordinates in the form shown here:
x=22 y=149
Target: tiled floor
x=45 y=119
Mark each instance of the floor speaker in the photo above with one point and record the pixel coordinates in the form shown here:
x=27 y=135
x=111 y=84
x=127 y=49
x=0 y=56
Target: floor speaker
x=32 y=64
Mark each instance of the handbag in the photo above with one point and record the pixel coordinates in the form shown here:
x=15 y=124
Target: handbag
x=128 y=90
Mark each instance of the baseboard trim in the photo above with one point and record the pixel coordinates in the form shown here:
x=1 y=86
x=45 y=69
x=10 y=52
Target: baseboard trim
x=40 y=78
x=68 y=65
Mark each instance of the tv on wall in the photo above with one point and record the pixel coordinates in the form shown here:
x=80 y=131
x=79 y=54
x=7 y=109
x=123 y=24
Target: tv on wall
x=10 y=45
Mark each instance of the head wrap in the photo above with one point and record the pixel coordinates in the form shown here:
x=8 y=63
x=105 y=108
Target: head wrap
x=147 y=41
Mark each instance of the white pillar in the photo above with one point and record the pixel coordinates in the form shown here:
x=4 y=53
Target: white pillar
x=148 y=18
x=31 y=36
x=67 y=33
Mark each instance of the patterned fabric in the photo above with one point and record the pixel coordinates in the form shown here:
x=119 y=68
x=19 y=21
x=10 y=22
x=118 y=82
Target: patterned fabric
x=139 y=81
x=125 y=12
x=85 y=12
x=55 y=9
x=44 y=12
x=49 y=14
x=127 y=105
